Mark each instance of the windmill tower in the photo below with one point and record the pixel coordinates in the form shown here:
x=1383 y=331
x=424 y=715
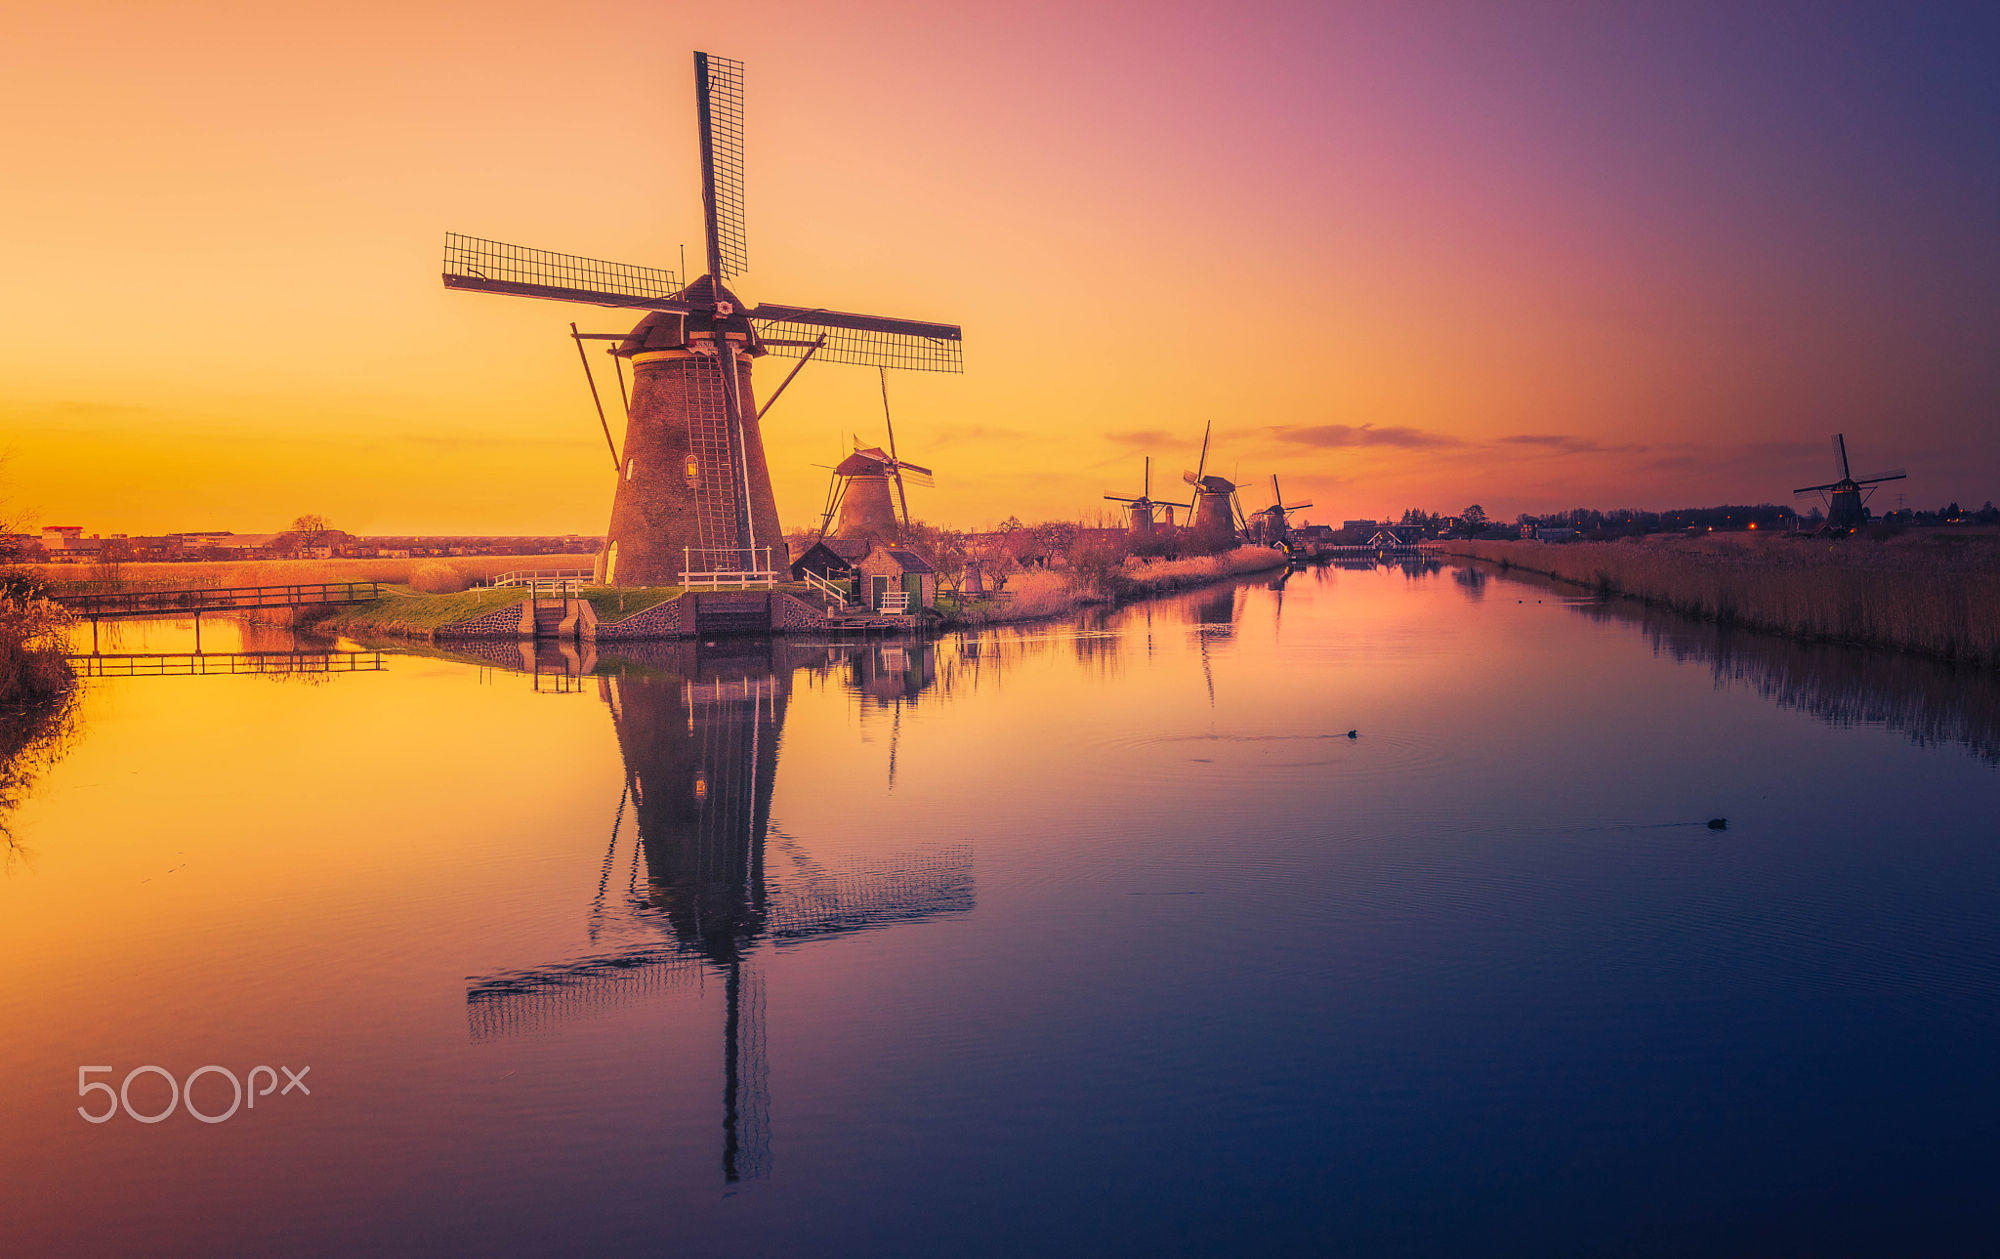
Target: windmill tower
x=1213 y=514
x=858 y=491
x=859 y=487
x=1271 y=526
x=694 y=487
x=1847 y=498
x=1142 y=511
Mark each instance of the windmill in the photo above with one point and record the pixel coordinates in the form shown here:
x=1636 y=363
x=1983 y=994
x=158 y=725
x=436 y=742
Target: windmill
x=858 y=491
x=1143 y=510
x=859 y=487
x=694 y=489
x=1213 y=514
x=1847 y=499
x=1272 y=526
x=711 y=871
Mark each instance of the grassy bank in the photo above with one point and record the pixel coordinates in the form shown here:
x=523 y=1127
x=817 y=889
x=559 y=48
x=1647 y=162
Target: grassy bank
x=1046 y=593
x=1933 y=592
x=412 y=614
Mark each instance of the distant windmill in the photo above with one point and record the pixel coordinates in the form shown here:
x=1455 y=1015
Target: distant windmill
x=694 y=489
x=859 y=487
x=1214 y=513
x=1847 y=499
x=1143 y=511
x=858 y=491
x=1273 y=526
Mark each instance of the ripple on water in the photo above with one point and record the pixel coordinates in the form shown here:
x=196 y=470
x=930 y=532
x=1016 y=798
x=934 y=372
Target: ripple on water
x=1143 y=758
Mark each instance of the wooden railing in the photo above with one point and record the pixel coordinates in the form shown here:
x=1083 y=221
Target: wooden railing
x=572 y=577
x=725 y=569
x=835 y=593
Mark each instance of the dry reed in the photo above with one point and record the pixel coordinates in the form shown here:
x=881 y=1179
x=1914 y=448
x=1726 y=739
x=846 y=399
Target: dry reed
x=435 y=577
x=1041 y=593
x=1938 y=594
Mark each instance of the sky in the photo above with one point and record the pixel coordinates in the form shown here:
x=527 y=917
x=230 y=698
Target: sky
x=1533 y=256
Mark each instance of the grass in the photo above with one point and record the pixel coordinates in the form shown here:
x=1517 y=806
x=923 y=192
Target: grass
x=205 y=573
x=1934 y=591
x=408 y=614
x=619 y=603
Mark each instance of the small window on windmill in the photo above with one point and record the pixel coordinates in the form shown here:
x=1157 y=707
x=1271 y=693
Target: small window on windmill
x=701 y=784
x=631 y=466
x=693 y=470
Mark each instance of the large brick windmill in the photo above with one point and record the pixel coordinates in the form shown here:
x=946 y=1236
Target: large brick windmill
x=694 y=489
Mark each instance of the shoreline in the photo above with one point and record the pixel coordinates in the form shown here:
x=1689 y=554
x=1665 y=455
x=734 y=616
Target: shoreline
x=1943 y=603
x=421 y=618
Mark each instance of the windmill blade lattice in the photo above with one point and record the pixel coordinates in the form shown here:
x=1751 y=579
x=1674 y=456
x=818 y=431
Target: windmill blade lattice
x=719 y=102
x=491 y=266
x=860 y=340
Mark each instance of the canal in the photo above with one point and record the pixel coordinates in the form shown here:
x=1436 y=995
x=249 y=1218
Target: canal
x=1378 y=911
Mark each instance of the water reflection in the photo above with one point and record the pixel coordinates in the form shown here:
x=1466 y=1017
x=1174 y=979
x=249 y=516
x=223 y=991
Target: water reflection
x=710 y=882
x=30 y=742
x=1931 y=702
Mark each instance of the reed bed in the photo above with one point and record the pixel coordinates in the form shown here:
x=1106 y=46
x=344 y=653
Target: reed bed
x=1938 y=593
x=1041 y=593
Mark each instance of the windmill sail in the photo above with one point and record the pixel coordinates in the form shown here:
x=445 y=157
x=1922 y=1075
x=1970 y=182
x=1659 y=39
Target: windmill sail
x=862 y=340
x=492 y=266
x=718 y=91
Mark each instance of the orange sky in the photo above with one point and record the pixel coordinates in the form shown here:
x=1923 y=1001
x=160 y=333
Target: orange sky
x=1414 y=255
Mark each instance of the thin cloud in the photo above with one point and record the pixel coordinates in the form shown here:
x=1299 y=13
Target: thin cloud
x=1564 y=443
x=1139 y=437
x=1333 y=435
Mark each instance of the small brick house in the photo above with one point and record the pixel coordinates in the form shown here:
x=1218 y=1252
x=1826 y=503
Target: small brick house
x=896 y=580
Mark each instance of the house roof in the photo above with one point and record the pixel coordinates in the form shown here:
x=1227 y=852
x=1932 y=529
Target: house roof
x=847 y=549
x=910 y=560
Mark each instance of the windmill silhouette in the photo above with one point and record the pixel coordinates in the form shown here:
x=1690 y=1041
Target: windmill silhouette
x=694 y=488
x=1214 y=513
x=1847 y=498
x=1142 y=510
x=1272 y=526
x=711 y=872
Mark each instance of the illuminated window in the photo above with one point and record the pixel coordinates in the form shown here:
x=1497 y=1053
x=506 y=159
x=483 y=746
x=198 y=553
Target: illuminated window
x=630 y=466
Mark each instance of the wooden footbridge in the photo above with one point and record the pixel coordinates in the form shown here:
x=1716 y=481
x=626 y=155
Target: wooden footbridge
x=168 y=664
x=126 y=604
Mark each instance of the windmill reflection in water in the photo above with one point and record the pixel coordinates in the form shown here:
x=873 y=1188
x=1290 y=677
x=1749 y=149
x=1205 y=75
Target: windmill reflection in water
x=703 y=863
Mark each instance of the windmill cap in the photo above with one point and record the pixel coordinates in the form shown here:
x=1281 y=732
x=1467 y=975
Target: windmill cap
x=1210 y=484
x=668 y=330
x=863 y=462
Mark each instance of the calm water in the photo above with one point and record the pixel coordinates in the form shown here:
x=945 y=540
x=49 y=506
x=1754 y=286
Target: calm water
x=1096 y=937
